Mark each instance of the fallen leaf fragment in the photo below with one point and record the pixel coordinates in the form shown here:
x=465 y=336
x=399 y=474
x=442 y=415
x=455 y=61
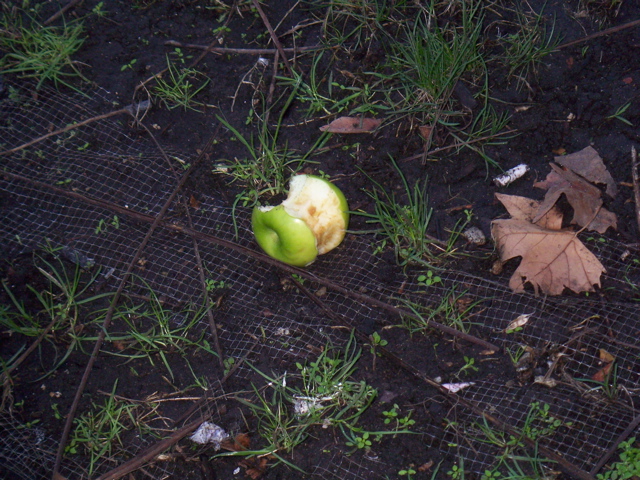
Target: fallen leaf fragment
x=425 y=131
x=352 y=125
x=456 y=387
x=588 y=164
x=552 y=260
x=194 y=202
x=425 y=466
x=547 y=382
x=519 y=322
x=583 y=197
x=255 y=467
x=605 y=356
x=523 y=208
x=602 y=374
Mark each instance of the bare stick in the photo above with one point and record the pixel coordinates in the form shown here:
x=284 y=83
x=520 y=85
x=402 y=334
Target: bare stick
x=612 y=449
x=599 y=34
x=66 y=129
x=146 y=456
x=61 y=12
x=636 y=183
x=240 y=51
x=274 y=37
x=109 y=315
x=209 y=305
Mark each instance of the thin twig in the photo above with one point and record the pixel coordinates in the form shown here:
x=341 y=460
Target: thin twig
x=209 y=305
x=599 y=34
x=61 y=12
x=272 y=87
x=614 y=446
x=401 y=312
x=636 y=183
x=457 y=145
x=31 y=348
x=240 y=51
x=274 y=37
x=146 y=456
x=67 y=128
x=110 y=311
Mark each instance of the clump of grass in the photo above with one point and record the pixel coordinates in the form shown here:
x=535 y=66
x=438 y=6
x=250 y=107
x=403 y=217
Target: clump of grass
x=353 y=25
x=322 y=392
x=432 y=58
x=528 y=45
x=99 y=431
x=269 y=166
x=405 y=226
x=41 y=53
x=179 y=86
x=454 y=310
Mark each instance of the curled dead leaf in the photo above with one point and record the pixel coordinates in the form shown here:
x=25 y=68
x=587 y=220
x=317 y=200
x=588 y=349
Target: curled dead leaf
x=583 y=197
x=605 y=356
x=589 y=164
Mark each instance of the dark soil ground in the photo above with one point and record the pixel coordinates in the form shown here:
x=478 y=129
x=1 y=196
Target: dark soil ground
x=568 y=105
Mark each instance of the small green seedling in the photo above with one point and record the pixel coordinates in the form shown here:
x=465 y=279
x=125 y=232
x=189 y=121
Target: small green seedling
x=619 y=112
x=468 y=367
x=212 y=285
x=229 y=363
x=428 y=279
x=408 y=472
x=377 y=341
x=400 y=423
x=628 y=467
x=359 y=443
x=129 y=66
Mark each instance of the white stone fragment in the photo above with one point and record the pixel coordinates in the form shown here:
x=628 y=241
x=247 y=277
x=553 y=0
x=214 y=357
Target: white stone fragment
x=209 y=433
x=456 y=387
x=474 y=236
x=511 y=175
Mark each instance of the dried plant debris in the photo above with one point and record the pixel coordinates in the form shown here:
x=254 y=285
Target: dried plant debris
x=554 y=258
x=584 y=197
x=588 y=164
x=352 y=125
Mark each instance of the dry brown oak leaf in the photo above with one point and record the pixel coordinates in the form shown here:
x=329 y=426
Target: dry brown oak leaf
x=552 y=260
x=583 y=197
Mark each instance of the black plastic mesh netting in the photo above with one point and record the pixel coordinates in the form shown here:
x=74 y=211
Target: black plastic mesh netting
x=105 y=162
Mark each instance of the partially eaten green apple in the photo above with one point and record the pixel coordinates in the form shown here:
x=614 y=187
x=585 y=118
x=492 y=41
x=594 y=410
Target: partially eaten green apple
x=310 y=222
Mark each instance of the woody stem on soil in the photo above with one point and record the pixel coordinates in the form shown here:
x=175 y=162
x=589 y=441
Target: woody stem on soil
x=209 y=305
x=258 y=256
x=274 y=37
x=451 y=396
x=110 y=311
x=636 y=183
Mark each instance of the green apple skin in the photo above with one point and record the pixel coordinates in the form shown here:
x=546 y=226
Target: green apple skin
x=284 y=237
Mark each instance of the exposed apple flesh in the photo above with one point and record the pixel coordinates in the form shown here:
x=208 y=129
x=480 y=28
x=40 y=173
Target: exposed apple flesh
x=311 y=221
x=323 y=208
